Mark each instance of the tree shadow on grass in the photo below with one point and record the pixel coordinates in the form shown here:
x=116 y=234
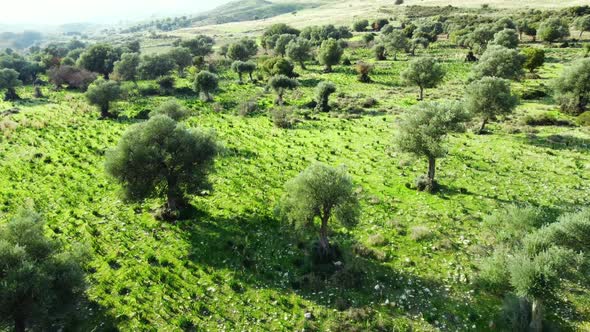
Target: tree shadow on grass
x=265 y=254
x=559 y=142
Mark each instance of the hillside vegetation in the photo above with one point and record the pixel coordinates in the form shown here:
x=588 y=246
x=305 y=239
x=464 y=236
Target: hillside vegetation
x=451 y=199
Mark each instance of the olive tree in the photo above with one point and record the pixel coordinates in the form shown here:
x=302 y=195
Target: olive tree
x=553 y=29
x=205 y=84
x=101 y=93
x=99 y=58
x=9 y=81
x=423 y=130
x=322 y=95
x=156 y=65
x=282 y=42
x=329 y=54
x=360 y=25
x=171 y=109
x=280 y=84
x=322 y=192
x=423 y=72
x=40 y=282
x=182 y=58
x=499 y=61
x=395 y=41
x=507 y=38
x=127 y=69
x=201 y=45
x=489 y=98
x=534 y=263
x=534 y=58
x=572 y=87
x=242 y=68
x=161 y=158
x=582 y=24
x=299 y=50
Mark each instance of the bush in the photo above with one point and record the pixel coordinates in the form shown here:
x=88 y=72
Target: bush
x=282 y=117
x=534 y=58
x=278 y=66
x=166 y=84
x=572 y=89
x=205 y=84
x=247 y=107
x=584 y=119
x=74 y=77
x=172 y=109
x=421 y=233
x=322 y=94
x=545 y=119
x=363 y=70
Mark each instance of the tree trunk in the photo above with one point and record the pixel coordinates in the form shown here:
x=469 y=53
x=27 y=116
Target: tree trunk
x=328 y=69
x=174 y=198
x=19 y=325
x=421 y=94
x=395 y=56
x=431 y=169
x=106 y=76
x=581 y=33
x=104 y=112
x=324 y=243
x=280 y=99
x=251 y=79
x=11 y=95
x=240 y=75
x=537 y=316
x=302 y=64
x=483 y=126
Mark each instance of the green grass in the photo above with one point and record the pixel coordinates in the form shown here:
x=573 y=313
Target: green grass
x=232 y=265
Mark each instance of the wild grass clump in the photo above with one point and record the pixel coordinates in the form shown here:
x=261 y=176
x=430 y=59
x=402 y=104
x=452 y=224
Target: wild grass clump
x=283 y=117
x=421 y=233
x=248 y=107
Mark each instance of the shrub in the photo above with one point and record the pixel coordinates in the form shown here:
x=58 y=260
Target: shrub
x=299 y=50
x=584 y=119
x=501 y=62
x=127 y=68
x=154 y=66
x=278 y=66
x=322 y=95
x=72 y=76
x=420 y=233
x=379 y=52
x=571 y=88
x=282 y=117
x=9 y=81
x=166 y=84
x=534 y=58
x=507 y=38
x=545 y=119
x=553 y=29
x=172 y=109
x=363 y=70
x=247 y=107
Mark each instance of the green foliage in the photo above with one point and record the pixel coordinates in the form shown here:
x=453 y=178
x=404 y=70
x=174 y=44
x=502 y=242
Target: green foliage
x=241 y=68
x=282 y=42
x=40 y=283
x=318 y=34
x=322 y=95
x=572 y=87
x=330 y=53
x=571 y=231
x=9 y=81
x=74 y=77
x=582 y=24
x=395 y=41
x=278 y=66
x=299 y=50
x=156 y=65
x=200 y=45
x=499 y=61
x=507 y=38
x=489 y=98
x=423 y=72
x=321 y=192
x=282 y=117
x=242 y=50
x=171 y=109
x=161 y=158
x=280 y=84
x=127 y=69
x=480 y=37
x=279 y=29
x=534 y=58
x=182 y=58
x=360 y=25
x=205 y=84
x=424 y=128
x=99 y=58
x=553 y=29
x=101 y=93
x=166 y=84
x=379 y=51
x=363 y=70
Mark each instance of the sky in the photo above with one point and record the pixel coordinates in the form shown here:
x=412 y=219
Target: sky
x=52 y=12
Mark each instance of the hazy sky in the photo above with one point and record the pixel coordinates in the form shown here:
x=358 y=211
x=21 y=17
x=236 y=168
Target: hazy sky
x=68 y=11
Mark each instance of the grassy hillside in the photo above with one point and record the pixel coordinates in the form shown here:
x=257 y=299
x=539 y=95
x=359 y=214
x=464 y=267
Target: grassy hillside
x=230 y=264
